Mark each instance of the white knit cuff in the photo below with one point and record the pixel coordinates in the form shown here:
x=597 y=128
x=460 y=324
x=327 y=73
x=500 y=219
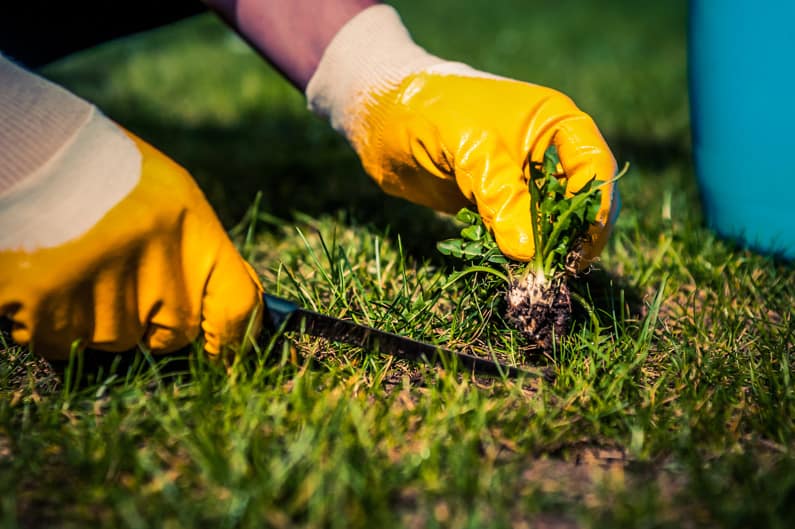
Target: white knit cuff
x=371 y=54
x=36 y=118
x=63 y=165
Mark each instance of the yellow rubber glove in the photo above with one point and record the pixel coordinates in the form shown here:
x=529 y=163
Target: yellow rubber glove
x=444 y=135
x=155 y=270
x=114 y=245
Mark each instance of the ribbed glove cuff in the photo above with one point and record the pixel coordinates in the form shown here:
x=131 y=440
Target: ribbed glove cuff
x=371 y=54
x=63 y=164
x=36 y=119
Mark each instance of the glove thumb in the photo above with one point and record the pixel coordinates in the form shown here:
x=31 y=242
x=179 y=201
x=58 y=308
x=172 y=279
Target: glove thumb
x=232 y=305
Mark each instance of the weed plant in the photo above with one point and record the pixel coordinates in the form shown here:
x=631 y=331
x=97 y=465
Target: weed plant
x=537 y=294
x=673 y=400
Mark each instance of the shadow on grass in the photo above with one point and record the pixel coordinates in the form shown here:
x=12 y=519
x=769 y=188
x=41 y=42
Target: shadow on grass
x=93 y=368
x=610 y=294
x=652 y=154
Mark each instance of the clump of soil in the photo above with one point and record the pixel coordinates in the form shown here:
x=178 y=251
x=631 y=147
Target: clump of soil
x=539 y=308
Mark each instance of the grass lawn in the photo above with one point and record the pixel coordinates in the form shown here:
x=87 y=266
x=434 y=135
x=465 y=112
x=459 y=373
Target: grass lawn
x=673 y=408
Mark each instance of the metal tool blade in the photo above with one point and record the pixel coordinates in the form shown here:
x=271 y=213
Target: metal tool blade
x=288 y=317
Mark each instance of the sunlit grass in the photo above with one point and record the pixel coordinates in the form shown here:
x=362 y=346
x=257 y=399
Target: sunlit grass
x=672 y=403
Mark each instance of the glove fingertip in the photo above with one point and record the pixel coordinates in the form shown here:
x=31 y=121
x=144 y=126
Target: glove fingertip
x=513 y=241
x=512 y=227
x=232 y=308
x=20 y=334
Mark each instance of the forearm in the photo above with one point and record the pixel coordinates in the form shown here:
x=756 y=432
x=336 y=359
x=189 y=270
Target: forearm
x=292 y=34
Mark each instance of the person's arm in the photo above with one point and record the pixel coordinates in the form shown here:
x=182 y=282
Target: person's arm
x=291 y=34
x=435 y=132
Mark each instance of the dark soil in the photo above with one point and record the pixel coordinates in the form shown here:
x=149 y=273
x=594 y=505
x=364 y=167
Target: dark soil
x=541 y=310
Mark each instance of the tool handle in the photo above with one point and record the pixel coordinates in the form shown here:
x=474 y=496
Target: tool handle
x=278 y=310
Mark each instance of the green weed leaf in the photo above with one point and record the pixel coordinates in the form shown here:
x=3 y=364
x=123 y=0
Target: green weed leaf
x=452 y=247
x=467 y=216
x=473 y=233
x=472 y=249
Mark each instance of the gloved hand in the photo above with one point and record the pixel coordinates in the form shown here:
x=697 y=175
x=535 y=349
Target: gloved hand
x=113 y=244
x=155 y=269
x=444 y=135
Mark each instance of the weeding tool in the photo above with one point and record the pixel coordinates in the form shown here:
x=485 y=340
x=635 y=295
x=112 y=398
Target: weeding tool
x=286 y=316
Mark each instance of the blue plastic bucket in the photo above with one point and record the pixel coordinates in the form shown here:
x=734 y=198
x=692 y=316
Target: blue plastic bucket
x=742 y=100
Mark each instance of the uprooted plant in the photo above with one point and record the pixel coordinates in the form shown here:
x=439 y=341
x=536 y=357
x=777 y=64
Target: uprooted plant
x=537 y=296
